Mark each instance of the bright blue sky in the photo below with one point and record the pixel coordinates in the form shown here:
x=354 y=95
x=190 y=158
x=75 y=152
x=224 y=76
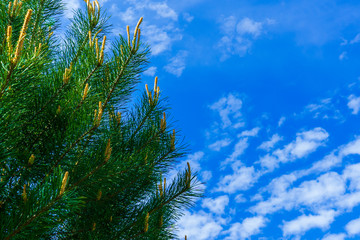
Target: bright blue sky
x=267 y=94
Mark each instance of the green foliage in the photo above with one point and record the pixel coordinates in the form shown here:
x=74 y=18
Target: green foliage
x=76 y=161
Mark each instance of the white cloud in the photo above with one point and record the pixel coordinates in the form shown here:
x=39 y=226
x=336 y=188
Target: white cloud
x=158 y=34
x=240 y=198
x=354 y=104
x=281 y=121
x=228 y=25
x=199 y=226
x=239 y=35
x=71 y=6
x=318 y=106
x=246 y=229
x=188 y=17
x=151 y=71
x=269 y=162
x=335 y=158
x=163 y=10
x=349 y=201
x=194 y=161
x=218 y=145
x=241 y=179
x=323 y=191
x=352 y=173
x=353 y=227
x=302 y=224
x=340 y=236
x=216 y=205
x=306 y=142
x=250 y=133
x=356 y=39
x=279 y=187
x=160 y=8
x=127 y=16
x=324 y=109
x=249 y=26
x=343 y=56
x=280 y=184
x=233 y=46
x=328 y=162
x=206 y=175
x=158 y=38
x=268 y=145
x=351 y=148
x=229 y=109
x=177 y=65
x=239 y=149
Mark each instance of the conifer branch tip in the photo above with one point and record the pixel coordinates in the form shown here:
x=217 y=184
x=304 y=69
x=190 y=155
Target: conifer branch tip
x=108 y=151
x=146 y=228
x=20 y=42
x=64 y=182
x=24 y=195
x=31 y=159
x=136 y=34
x=93 y=226
x=101 y=57
x=128 y=34
x=99 y=194
x=86 y=90
x=9 y=40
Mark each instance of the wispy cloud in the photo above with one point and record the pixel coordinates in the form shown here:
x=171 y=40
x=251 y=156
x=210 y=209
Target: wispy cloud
x=129 y=15
x=177 y=64
x=163 y=10
x=200 y=225
x=239 y=149
x=194 y=160
x=229 y=110
x=268 y=145
x=340 y=236
x=281 y=121
x=354 y=104
x=160 y=38
x=151 y=71
x=306 y=142
x=353 y=227
x=218 y=145
x=324 y=109
x=356 y=39
x=242 y=178
x=188 y=17
x=304 y=223
x=249 y=26
x=239 y=35
x=249 y=227
x=216 y=205
x=250 y=133
x=343 y=56
x=312 y=193
x=71 y=6
x=159 y=28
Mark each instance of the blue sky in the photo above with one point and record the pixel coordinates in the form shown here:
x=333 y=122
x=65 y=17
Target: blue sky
x=267 y=94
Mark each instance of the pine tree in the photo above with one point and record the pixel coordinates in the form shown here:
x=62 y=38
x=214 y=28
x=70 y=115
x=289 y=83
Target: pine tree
x=79 y=159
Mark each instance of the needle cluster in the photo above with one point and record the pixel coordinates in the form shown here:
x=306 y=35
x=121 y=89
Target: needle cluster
x=79 y=159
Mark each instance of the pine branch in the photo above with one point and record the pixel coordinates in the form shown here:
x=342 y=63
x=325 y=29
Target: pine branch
x=70 y=140
x=35 y=216
x=68 y=150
